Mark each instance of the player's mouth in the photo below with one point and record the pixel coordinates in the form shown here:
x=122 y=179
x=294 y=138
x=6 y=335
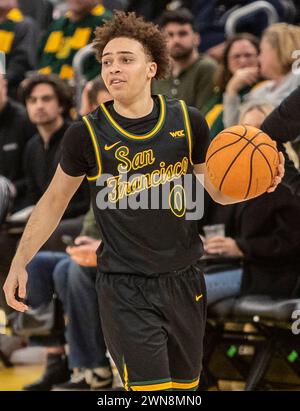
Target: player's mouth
x=116 y=81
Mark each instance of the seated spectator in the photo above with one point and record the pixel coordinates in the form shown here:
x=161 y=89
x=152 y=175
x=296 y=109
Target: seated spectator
x=48 y=101
x=150 y=10
x=69 y=34
x=73 y=279
x=254 y=113
x=40 y=10
x=276 y=63
x=115 y=4
x=211 y=17
x=268 y=240
x=191 y=77
x=94 y=93
x=265 y=234
x=15 y=131
x=237 y=73
x=18 y=40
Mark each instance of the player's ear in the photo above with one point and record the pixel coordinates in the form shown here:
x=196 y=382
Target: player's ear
x=152 y=69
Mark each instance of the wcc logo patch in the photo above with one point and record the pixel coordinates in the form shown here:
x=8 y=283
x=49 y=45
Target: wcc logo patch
x=177 y=133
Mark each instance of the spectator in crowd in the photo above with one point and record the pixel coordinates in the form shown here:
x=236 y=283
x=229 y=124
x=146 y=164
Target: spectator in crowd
x=211 y=17
x=18 y=40
x=115 y=4
x=276 y=59
x=69 y=34
x=267 y=238
x=15 y=131
x=72 y=277
x=94 y=93
x=238 y=71
x=191 y=77
x=150 y=10
x=48 y=101
x=254 y=113
x=40 y=10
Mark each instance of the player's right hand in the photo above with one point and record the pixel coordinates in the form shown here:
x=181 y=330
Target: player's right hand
x=16 y=279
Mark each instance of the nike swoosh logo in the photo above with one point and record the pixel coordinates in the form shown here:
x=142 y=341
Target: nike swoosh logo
x=198 y=297
x=107 y=148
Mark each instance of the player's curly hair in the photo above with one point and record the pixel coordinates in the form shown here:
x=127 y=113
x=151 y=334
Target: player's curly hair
x=148 y=34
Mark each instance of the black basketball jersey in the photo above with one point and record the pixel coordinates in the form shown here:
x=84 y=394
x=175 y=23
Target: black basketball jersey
x=138 y=194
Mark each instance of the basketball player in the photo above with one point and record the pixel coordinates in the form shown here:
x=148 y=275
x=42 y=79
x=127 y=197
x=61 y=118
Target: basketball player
x=150 y=287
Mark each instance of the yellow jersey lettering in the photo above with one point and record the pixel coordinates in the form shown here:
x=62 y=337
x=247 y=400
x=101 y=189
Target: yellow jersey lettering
x=178 y=133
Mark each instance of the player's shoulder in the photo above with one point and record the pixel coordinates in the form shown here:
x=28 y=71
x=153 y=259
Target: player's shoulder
x=76 y=132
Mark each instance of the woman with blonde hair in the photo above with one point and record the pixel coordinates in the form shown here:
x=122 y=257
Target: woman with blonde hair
x=276 y=59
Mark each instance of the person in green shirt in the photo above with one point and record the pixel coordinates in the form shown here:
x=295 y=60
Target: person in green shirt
x=69 y=34
x=191 y=77
x=18 y=42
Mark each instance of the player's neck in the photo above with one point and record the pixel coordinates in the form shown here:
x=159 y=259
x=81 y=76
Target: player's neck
x=137 y=108
x=46 y=131
x=179 y=65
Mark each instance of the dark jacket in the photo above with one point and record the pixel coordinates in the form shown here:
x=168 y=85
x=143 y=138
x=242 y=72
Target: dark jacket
x=283 y=125
x=40 y=165
x=21 y=50
x=268 y=232
x=15 y=131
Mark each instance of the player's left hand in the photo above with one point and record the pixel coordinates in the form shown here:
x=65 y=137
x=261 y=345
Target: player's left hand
x=279 y=177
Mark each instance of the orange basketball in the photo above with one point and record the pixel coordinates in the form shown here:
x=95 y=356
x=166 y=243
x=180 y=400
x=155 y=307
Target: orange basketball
x=242 y=162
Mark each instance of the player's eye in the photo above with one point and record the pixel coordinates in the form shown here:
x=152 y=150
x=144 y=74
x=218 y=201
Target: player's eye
x=106 y=62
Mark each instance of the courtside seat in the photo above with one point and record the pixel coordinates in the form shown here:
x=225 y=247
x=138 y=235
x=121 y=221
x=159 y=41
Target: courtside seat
x=256 y=308
x=260 y=322
x=264 y=308
x=222 y=310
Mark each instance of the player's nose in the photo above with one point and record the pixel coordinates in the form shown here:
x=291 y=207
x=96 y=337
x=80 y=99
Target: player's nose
x=115 y=68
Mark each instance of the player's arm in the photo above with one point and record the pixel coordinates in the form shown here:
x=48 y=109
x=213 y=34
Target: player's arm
x=43 y=221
